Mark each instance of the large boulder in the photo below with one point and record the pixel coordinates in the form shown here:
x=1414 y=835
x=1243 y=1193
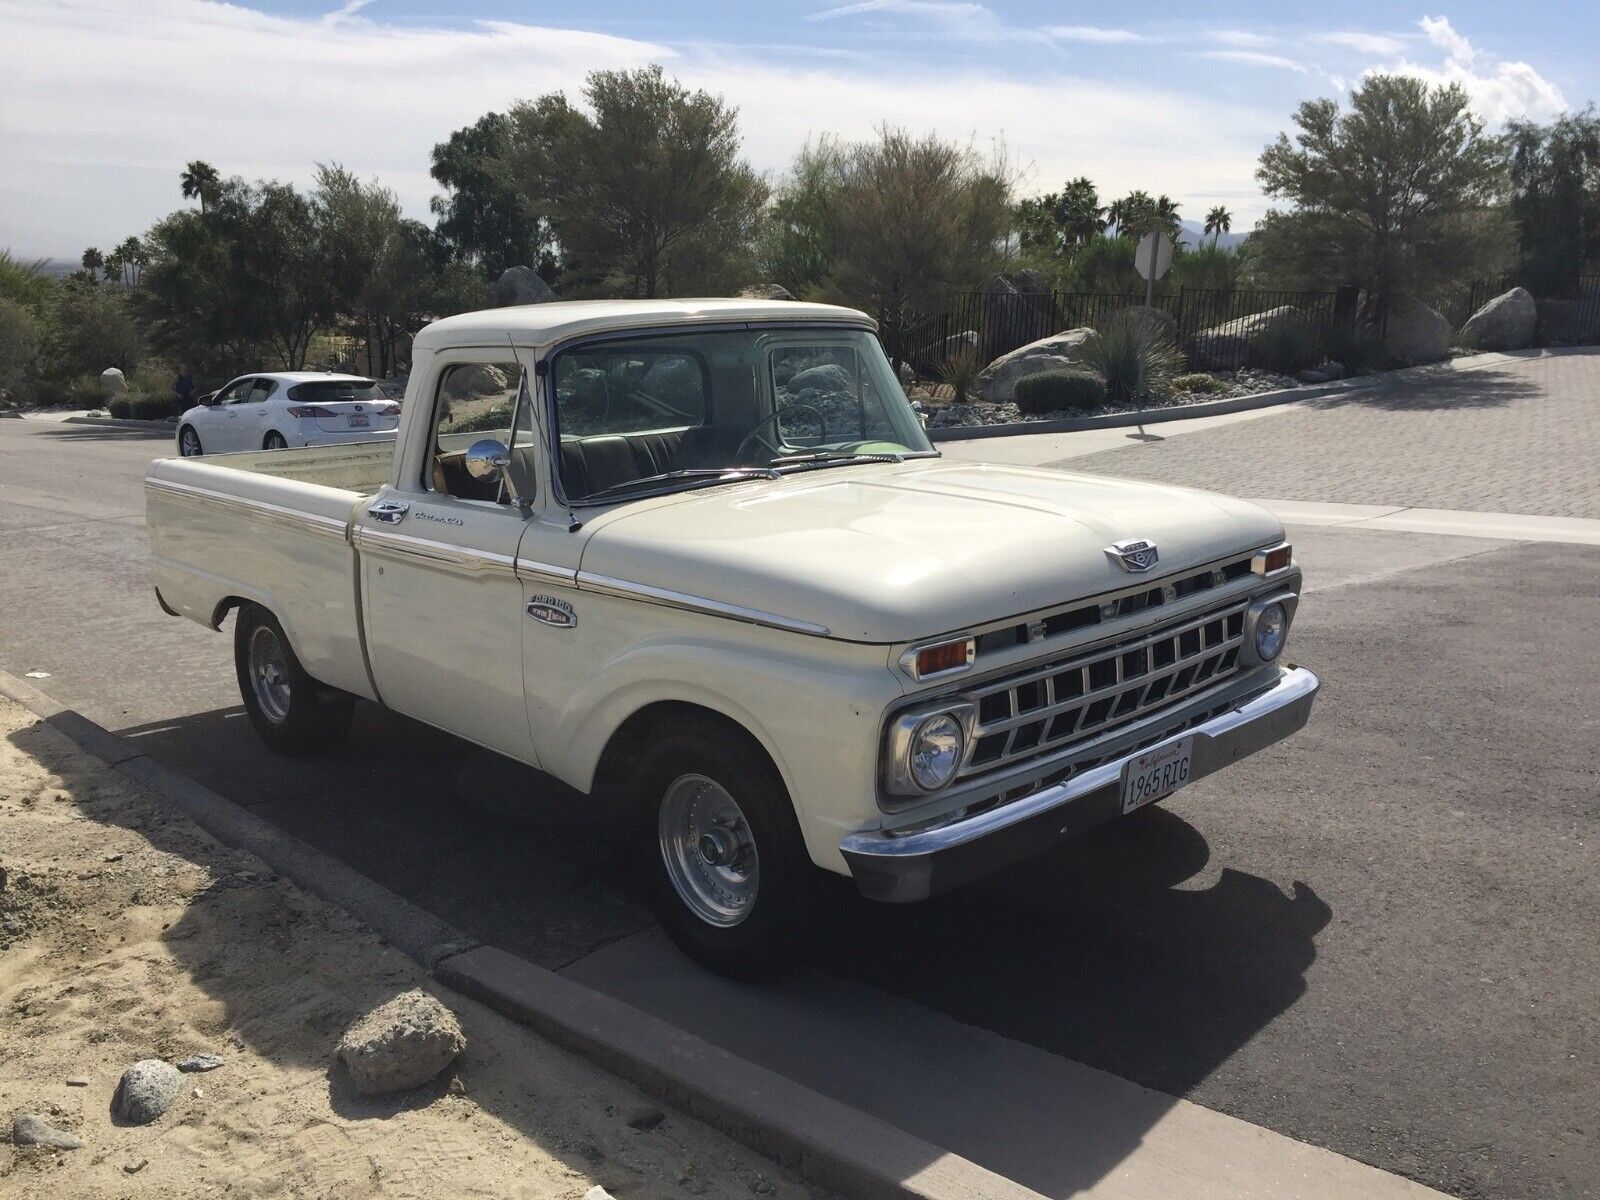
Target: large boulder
x=1505 y=323
x=1415 y=333
x=475 y=379
x=112 y=383
x=401 y=1044
x=928 y=359
x=1243 y=340
x=765 y=291
x=147 y=1090
x=1017 y=309
x=997 y=383
x=520 y=285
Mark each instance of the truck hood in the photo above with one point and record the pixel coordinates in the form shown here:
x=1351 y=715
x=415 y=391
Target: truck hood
x=900 y=552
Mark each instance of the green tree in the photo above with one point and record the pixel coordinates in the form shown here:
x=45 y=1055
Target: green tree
x=93 y=261
x=20 y=340
x=201 y=182
x=643 y=191
x=127 y=262
x=1218 y=222
x=1139 y=213
x=1555 y=199
x=483 y=217
x=27 y=283
x=1393 y=194
x=914 y=220
x=1060 y=223
x=795 y=246
x=94 y=328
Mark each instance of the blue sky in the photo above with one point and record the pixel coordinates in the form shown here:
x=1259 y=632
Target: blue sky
x=102 y=101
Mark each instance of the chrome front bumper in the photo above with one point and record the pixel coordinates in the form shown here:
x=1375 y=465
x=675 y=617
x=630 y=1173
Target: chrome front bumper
x=916 y=865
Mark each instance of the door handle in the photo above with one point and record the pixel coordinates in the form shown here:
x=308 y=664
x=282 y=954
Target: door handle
x=390 y=512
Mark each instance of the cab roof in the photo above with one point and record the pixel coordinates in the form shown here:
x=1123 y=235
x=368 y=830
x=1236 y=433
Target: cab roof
x=544 y=324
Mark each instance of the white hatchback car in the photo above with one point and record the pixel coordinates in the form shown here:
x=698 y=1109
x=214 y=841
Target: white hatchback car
x=288 y=408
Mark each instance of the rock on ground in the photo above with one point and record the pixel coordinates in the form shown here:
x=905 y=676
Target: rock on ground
x=935 y=354
x=1017 y=309
x=1505 y=323
x=1241 y=339
x=520 y=285
x=147 y=1090
x=1415 y=333
x=200 y=1062
x=997 y=382
x=401 y=1044
x=112 y=383
x=30 y=1129
x=765 y=291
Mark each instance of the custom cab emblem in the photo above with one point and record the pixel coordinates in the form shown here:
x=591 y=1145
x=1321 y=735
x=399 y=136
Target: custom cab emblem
x=1136 y=554
x=550 y=611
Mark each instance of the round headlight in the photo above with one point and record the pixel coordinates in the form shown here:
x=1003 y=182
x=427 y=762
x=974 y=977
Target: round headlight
x=1271 y=627
x=935 y=751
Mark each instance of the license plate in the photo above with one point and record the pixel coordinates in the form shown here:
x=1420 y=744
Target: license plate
x=1156 y=774
x=360 y=422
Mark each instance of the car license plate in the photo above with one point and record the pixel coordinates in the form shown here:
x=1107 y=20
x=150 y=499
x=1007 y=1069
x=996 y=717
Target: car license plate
x=358 y=422
x=1156 y=774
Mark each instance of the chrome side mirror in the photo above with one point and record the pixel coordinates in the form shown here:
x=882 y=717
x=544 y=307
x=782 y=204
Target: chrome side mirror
x=487 y=459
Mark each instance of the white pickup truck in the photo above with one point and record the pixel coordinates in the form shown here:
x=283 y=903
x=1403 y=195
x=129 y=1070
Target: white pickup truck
x=699 y=560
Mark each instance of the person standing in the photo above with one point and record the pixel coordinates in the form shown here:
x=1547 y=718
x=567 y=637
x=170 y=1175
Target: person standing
x=183 y=388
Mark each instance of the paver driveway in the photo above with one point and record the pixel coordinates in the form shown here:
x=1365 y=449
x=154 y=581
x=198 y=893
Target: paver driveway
x=1520 y=437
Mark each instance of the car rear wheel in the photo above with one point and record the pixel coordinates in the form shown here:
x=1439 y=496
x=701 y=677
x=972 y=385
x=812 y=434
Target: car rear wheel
x=291 y=712
x=727 y=870
x=189 y=442
x=274 y=441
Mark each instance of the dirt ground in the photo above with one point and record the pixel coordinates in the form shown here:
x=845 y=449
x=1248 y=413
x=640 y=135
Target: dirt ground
x=127 y=933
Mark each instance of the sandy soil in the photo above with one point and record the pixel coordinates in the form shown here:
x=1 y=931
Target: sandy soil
x=127 y=933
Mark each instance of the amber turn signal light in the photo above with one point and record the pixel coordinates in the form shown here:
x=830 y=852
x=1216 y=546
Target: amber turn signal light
x=947 y=656
x=1266 y=562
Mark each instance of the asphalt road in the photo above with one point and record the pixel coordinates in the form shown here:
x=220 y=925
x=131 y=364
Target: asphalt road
x=1377 y=937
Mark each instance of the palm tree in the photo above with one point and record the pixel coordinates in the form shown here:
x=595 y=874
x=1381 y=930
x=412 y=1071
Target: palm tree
x=1079 y=211
x=1218 y=222
x=200 y=182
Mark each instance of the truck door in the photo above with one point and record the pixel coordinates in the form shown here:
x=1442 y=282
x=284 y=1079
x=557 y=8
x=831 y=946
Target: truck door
x=441 y=599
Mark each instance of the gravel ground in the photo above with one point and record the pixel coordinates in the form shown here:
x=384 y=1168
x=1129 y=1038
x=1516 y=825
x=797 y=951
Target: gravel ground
x=944 y=415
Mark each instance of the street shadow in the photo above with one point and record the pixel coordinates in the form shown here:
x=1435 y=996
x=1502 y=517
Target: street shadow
x=106 y=433
x=1431 y=389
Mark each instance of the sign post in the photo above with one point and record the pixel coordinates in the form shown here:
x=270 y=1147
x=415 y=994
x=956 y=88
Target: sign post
x=1151 y=260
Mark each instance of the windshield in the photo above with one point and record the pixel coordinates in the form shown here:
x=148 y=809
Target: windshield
x=328 y=391
x=682 y=410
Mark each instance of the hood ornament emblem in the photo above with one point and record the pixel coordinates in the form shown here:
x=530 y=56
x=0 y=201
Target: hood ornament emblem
x=1135 y=554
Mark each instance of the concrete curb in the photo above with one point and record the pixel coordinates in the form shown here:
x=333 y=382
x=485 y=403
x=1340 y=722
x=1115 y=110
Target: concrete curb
x=1217 y=408
x=827 y=1142
x=121 y=423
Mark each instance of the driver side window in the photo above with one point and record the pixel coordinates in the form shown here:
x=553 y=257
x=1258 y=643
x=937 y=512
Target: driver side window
x=475 y=400
x=235 y=393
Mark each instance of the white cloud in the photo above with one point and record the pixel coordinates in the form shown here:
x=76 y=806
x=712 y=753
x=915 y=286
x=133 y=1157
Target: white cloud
x=917 y=8
x=1094 y=34
x=1380 y=44
x=102 y=103
x=1499 y=90
x=1255 y=58
x=1239 y=37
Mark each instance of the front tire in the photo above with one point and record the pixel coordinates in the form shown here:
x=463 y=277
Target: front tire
x=727 y=872
x=189 y=443
x=291 y=712
x=274 y=441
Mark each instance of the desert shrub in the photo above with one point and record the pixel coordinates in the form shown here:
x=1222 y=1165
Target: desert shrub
x=68 y=391
x=1198 y=381
x=1116 y=354
x=1052 y=391
x=20 y=342
x=1288 y=346
x=1357 y=347
x=120 y=408
x=959 y=370
x=152 y=408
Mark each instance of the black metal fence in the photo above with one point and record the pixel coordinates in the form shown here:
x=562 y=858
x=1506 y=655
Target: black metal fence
x=1570 y=318
x=1216 y=328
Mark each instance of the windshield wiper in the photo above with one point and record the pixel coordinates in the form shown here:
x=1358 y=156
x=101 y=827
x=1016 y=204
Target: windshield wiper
x=730 y=474
x=830 y=457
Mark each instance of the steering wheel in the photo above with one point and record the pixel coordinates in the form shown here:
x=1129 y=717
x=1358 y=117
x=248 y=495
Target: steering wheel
x=771 y=419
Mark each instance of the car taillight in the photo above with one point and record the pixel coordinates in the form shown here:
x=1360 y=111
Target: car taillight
x=306 y=410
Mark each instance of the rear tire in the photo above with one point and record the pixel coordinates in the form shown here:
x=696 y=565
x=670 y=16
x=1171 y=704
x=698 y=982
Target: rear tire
x=291 y=712
x=716 y=839
x=189 y=443
x=274 y=441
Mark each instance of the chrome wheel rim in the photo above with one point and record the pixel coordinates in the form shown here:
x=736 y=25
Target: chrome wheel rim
x=189 y=444
x=269 y=674
x=709 y=850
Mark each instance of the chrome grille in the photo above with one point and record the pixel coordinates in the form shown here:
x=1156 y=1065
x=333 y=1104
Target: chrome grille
x=1055 y=705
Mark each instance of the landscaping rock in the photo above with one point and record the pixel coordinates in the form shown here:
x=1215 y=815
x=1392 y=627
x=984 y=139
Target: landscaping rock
x=934 y=355
x=826 y=378
x=112 y=383
x=1242 y=339
x=475 y=379
x=147 y=1090
x=1161 y=321
x=30 y=1129
x=997 y=382
x=401 y=1044
x=1415 y=333
x=200 y=1062
x=765 y=291
x=1505 y=323
x=1017 y=309
x=520 y=285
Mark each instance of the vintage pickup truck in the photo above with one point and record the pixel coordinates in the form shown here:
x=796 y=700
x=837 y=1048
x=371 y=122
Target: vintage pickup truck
x=699 y=560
